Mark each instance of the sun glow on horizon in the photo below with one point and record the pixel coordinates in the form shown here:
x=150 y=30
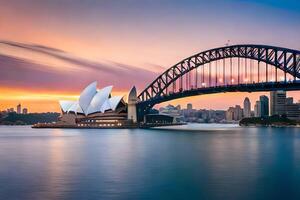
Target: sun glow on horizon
x=39 y=101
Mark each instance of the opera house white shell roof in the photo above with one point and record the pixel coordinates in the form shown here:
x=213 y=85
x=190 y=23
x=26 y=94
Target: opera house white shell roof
x=92 y=100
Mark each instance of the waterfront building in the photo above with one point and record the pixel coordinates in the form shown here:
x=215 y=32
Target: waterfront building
x=158 y=118
x=230 y=114
x=190 y=114
x=234 y=113
x=282 y=105
x=257 y=109
x=264 y=106
x=238 y=113
x=261 y=107
x=172 y=111
x=292 y=109
x=204 y=116
x=277 y=102
x=25 y=111
x=219 y=115
x=247 y=108
x=19 y=108
x=194 y=115
x=97 y=108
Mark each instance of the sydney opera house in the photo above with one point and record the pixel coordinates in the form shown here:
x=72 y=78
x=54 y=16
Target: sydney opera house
x=97 y=108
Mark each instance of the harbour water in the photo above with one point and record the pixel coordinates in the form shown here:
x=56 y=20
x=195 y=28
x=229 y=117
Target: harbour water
x=192 y=162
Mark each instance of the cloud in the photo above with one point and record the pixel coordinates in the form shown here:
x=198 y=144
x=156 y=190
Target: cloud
x=32 y=47
x=107 y=67
x=28 y=73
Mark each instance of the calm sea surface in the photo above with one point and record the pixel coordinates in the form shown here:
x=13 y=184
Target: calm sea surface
x=194 y=162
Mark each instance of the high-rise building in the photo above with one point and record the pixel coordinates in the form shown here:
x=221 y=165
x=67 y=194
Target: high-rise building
x=230 y=114
x=25 y=111
x=264 y=109
x=261 y=108
x=277 y=102
x=234 y=113
x=292 y=109
x=189 y=106
x=257 y=109
x=19 y=108
x=247 y=107
x=238 y=113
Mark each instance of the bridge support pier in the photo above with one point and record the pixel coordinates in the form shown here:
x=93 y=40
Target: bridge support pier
x=132 y=100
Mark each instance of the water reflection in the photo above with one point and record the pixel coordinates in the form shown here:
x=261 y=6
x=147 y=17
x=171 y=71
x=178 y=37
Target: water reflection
x=231 y=163
x=56 y=173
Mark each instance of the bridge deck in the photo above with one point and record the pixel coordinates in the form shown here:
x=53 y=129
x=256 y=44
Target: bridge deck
x=256 y=87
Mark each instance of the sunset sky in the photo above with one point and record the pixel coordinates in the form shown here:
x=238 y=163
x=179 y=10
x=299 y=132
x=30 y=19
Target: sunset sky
x=51 y=49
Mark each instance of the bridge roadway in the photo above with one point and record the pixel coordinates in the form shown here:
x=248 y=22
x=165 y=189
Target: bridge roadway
x=144 y=106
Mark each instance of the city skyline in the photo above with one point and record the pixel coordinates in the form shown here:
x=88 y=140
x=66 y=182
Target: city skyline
x=19 y=109
x=99 y=40
x=277 y=103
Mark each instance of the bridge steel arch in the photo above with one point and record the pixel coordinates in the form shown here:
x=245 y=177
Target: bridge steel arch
x=287 y=60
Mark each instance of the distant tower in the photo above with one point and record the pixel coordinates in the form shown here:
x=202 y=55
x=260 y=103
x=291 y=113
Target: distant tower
x=189 y=106
x=247 y=108
x=19 y=108
x=25 y=111
x=264 y=105
x=132 y=100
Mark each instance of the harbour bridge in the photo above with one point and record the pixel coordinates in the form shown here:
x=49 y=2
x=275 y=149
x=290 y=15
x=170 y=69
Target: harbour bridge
x=235 y=68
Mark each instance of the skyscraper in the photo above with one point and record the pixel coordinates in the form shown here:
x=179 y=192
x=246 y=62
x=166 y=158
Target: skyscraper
x=247 y=107
x=277 y=102
x=257 y=109
x=264 y=109
x=19 y=108
x=292 y=109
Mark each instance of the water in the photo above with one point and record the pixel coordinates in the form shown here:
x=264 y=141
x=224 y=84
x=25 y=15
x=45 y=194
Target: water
x=223 y=162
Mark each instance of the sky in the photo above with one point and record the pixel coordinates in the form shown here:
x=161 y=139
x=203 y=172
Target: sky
x=52 y=49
